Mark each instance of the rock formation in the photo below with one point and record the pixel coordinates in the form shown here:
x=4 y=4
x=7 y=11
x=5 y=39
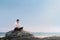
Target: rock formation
x=18 y=33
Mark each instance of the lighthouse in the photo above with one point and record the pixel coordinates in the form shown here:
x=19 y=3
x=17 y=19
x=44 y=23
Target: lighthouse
x=17 y=23
x=18 y=27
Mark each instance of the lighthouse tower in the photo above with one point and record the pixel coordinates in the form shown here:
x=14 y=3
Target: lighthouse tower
x=17 y=23
x=18 y=27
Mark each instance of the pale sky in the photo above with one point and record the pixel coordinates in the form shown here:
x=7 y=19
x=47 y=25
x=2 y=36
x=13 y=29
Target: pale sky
x=34 y=15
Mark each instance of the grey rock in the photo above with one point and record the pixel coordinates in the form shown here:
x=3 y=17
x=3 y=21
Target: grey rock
x=18 y=34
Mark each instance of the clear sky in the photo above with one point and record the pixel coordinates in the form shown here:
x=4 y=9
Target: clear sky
x=34 y=15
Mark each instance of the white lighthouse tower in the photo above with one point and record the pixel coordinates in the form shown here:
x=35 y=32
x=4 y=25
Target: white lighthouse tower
x=17 y=23
x=18 y=27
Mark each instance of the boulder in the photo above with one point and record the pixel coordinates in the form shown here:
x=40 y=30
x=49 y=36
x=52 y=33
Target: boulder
x=18 y=33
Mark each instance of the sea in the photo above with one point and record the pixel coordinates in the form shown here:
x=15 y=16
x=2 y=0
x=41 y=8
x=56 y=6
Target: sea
x=38 y=34
x=46 y=34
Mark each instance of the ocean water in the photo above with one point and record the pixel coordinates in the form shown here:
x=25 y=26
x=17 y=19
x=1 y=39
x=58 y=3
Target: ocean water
x=37 y=34
x=2 y=34
x=45 y=34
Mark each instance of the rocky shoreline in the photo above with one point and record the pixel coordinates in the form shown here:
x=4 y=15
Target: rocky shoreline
x=34 y=38
x=20 y=34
